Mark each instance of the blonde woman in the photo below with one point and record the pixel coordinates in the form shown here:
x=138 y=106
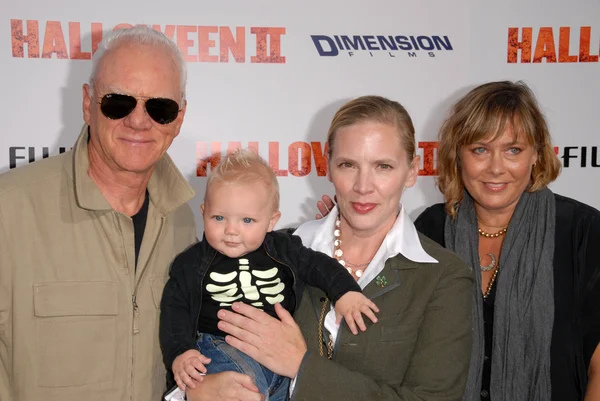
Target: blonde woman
x=420 y=347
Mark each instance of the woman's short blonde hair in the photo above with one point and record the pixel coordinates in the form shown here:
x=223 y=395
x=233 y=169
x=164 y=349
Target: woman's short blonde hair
x=484 y=114
x=245 y=166
x=377 y=109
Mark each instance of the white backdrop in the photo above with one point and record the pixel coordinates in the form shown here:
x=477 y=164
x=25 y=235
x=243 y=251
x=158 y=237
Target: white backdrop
x=290 y=99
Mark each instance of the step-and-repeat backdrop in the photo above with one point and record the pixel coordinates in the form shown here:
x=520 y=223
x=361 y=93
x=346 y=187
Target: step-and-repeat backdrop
x=270 y=75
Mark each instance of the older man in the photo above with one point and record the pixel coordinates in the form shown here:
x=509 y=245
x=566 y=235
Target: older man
x=86 y=237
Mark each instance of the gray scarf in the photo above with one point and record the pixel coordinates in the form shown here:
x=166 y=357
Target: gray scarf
x=524 y=301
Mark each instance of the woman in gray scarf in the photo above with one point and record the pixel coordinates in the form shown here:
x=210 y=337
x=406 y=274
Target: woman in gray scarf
x=535 y=253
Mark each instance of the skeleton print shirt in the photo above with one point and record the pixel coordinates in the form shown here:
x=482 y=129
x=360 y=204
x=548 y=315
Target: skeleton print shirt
x=255 y=279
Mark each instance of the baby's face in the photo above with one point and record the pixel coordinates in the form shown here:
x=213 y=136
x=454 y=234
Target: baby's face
x=238 y=216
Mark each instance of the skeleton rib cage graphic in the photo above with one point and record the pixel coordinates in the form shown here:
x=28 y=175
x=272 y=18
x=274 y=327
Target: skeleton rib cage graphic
x=251 y=286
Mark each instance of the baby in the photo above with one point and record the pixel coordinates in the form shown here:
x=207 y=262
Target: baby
x=241 y=259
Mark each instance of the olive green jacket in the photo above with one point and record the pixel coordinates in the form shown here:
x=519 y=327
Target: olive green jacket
x=420 y=348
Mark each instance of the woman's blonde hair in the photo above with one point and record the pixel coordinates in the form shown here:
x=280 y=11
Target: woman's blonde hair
x=377 y=109
x=245 y=166
x=484 y=114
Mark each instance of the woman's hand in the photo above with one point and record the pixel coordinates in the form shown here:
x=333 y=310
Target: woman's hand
x=226 y=386
x=276 y=344
x=325 y=205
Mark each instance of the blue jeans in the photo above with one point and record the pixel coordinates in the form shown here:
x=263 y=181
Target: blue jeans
x=225 y=358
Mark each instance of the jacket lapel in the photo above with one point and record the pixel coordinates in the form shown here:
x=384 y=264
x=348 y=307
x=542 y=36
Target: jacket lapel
x=389 y=277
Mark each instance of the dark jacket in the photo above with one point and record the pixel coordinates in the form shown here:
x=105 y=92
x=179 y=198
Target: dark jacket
x=576 y=331
x=420 y=348
x=181 y=301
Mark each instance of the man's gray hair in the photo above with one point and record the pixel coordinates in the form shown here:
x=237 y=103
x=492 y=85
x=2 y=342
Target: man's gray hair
x=143 y=35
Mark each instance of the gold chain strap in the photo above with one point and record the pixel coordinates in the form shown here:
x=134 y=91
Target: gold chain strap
x=321 y=324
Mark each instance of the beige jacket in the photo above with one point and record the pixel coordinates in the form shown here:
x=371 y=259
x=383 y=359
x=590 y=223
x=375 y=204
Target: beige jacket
x=68 y=326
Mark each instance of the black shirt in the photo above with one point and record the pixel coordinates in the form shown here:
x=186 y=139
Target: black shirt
x=576 y=330
x=139 y=225
x=488 y=327
x=255 y=279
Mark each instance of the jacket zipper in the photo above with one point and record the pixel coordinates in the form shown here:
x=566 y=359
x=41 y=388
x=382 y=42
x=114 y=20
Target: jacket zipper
x=118 y=224
x=291 y=271
x=195 y=328
x=136 y=311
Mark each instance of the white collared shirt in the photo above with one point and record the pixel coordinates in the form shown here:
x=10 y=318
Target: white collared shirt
x=401 y=239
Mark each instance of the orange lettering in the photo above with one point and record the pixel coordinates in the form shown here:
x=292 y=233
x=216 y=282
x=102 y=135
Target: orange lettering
x=319 y=157
x=54 y=41
x=205 y=44
x=122 y=26
x=96 y=36
x=19 y=39
x=169 y=31
x=233 y=146
x=564 y=40
x=274 y=159
x=183 y=43
x=204 y=159
x=304 y=159
x=75 y=43
x=514 y=45
x=544 y=47
x=228 y=43
x=253 y=146
x=428 y=158
x=584 y=46
x=274 y=34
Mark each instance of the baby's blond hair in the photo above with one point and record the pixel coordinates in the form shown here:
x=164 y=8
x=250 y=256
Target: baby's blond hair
x=244 y=166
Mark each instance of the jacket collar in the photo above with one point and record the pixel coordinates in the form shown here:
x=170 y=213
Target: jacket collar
x=402 y=239
x=168 y=189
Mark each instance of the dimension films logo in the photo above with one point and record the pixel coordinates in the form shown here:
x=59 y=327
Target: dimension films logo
x=548 y=49
x=203 y=44
x=389 y=46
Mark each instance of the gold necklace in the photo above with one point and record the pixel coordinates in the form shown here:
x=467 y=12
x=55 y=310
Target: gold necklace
x=488 y=235
x=491 y=283
x=321 y=324
x=338 y=253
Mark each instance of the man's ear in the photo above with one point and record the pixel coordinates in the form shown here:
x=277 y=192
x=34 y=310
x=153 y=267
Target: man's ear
x=86 y=103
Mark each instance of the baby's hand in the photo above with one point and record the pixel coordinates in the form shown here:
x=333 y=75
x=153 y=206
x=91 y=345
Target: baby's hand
x=188 y=368
x=350 y=306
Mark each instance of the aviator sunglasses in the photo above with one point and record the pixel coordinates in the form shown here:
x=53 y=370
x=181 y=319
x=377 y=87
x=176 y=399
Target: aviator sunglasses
x=116 y=106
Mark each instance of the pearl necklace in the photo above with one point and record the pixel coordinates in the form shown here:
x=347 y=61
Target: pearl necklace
x=358 y=269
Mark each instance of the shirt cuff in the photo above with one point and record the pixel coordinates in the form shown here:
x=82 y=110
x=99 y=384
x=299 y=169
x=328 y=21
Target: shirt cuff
x=292 y=385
